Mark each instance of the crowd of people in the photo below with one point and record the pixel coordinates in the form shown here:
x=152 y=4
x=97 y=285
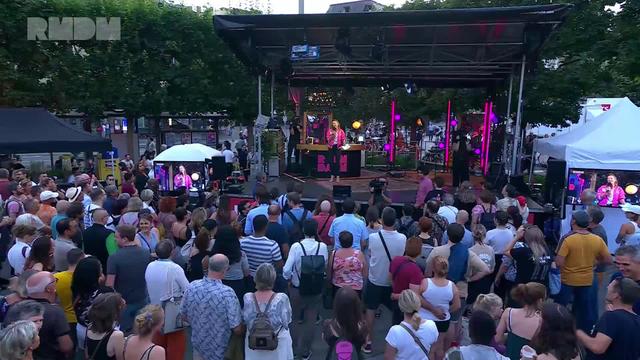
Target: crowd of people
x=108 y=272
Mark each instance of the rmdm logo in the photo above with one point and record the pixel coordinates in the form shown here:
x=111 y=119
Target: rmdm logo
x=73 y=28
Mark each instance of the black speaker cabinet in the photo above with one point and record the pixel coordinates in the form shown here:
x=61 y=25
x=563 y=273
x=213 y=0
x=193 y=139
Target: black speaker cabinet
x=555 y=182
x=217 y=168
x=341 y=192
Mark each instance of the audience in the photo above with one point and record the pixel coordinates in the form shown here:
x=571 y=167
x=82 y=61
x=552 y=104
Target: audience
x=103 y=339
x=440 y=224
x=19 y=341
x=349 y=222
x=324 y=215
x=346 y=332
x=227 y=244
x=347 y=266
x=147 y=322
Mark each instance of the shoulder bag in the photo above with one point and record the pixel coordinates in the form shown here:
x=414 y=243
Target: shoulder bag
x=173 y=320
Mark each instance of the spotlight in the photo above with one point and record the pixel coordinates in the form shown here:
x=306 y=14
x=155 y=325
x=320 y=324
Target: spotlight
x=195 y=176
x=387 y=147
x=356 y=124
x=441 y=145
x=410 y=87
x=454 y=123
x=477 y=151
x=397 y=117
x=419 y=122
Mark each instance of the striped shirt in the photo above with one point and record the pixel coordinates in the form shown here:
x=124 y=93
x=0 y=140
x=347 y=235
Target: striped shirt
x=260 y=250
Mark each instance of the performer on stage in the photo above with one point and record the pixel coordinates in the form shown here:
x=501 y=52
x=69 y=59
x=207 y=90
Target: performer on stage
x=182 y=179
x=336 y=139
x=611 y=193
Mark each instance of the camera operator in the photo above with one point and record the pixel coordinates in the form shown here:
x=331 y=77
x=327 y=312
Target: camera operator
x=379 y=196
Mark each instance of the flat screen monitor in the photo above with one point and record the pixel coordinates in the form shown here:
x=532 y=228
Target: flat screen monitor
x=613 y=188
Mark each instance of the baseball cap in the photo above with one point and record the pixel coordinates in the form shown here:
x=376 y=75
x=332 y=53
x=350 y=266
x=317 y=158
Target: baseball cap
x=631 y=208
x=73 y=193
x=581 y=218
x=46 y=195
x=82 y=179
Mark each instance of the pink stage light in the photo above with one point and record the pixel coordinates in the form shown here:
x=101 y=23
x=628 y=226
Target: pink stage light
x=494 y=118
x=488 y=141
x=387 y=147
x=477 y=151
x=392 y=132
x=454 y=123
x=397 y=117
x=447 y=134
x=441 y=145
x=485 y=118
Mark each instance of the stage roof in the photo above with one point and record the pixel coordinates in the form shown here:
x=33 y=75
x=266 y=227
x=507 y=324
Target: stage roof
x=434 y=48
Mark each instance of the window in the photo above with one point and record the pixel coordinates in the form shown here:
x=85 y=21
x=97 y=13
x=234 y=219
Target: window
x=368 y=7
x=347 y=9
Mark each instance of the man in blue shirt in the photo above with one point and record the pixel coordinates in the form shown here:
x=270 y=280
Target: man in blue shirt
x=264 y=200
x=349 y=222
x=293 y=218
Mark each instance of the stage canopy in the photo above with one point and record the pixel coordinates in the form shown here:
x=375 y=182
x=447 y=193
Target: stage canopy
x=187 y=153
x=35 y=130
x=435 y=48
x=609 y=141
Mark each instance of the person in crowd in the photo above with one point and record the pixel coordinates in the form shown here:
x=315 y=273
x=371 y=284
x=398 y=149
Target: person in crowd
x=75 y=211
x=324 y=215
x=213 y=311
x=259 y=248
x=264 y=200
x=103 y=339
x=277 y=309
x=310 y=304
x=180 y=231
x=530 y=255
x=462 y=217
x=425 y=186
x=556 y=339
x=595 y=227
x=491 y=304
x=128 y=186
x=118 y=210
x=438 y=191
x=140 y=345
x=85 y=287
x=141 y=177
x=41 y=255
x=372 y=218
x=147 y=235
x=466 y=198
x=85 y=182
x=482 y=329
x=98 y=240
x=347 y=266
x=20 y=250
x=229 y=157
x=55 y=341
x=523 y=208
x=588 y=198
x=486 y=254
x=611 y=193
x=576 y=257
x=75 y=195
x=166 y=280
x=5 y=193
x=30 y=310
x=166 y=217
x=294 y=217
x=13 y=204
x=63 y=285
x=67 y=229
x=200 y=250
x=282 y=200
x=227 y=244
x=428 y=242
x=277 y=231
x=406 y=224
x=515 y=219
x=261 y=181
x=439 y=223
x=224 y=214
x=130 y=216
x=439 y=299
x=348 y=222
x=125 y=273
x=628 y=264
x=347 y=325
x=97 y=197
x=413 y=337
x=629 y=233
x=19 y=341
x=485 y=211
x=499 y=239
x=111 y=195
x=460 y=164
x=384 y=246
x=30 y=217
x=615 y=333
x=404 y=273
x=47 y=211
x=61 y=213
x=521 y=324
x=509 y=194
x=447 y=210
x=464 y=267
x=146 y=195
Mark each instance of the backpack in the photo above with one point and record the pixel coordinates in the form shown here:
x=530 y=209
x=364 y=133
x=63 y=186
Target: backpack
x=295 y=233
x=405 y=228
x=487 y=219
x=312 y=272
x=343 y=350
x=262 y=335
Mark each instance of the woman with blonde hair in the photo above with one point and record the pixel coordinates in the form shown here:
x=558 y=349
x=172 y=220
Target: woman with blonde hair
x=140 y=346
x=520 y=325
x=19 y=340
x=413 y=338
x=530 y=255
x=487 y=255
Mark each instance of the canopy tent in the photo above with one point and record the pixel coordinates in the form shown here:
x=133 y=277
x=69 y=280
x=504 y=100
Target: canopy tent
x=187 y=153
x=35 y=130
x=609 y=141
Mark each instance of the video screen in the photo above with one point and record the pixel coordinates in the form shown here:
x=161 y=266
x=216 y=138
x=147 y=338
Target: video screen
x=613 y=188
x=185 y=175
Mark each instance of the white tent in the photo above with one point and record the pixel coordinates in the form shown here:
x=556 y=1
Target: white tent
x=187 y=153
x=609 y=141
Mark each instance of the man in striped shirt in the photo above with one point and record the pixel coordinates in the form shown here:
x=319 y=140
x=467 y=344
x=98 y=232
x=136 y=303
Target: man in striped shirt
x=260 y=249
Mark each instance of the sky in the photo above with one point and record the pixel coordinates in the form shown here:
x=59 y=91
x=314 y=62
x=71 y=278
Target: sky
x=279 y=6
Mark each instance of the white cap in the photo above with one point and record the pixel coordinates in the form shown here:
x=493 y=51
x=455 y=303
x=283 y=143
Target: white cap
x=46 y=195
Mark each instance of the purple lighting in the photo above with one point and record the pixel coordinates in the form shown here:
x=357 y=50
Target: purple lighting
x=477 y=151
x=454 y=123
x=441 y=145
x=387 y=147
x=397 y=117
x=494 y=118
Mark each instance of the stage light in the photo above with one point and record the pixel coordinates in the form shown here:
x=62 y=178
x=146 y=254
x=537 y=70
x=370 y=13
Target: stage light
x=454 y=123
x=419 y=122
x=387 y=147
x=195 y=176
x=494 y=118
x=360 y=138
x=631 y=189
x=397 y=117
x=477 y=151
x=441 y=145
x=356 y=124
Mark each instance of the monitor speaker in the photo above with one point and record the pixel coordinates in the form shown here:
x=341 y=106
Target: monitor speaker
x=341 y=192
x=555 y=182
x=217 y=168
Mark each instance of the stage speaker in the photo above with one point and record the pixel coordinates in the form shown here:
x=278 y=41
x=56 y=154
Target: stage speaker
x=555 y=182
x=496 y=178
x=341 y=192
x=217 y=168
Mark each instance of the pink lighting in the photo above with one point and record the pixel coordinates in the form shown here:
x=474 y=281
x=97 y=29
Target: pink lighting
x=454 y=123
x=392 y=132
x=477 y=151
x=441 y=145
x=447 y=134
x=485 y=118
x=397 y=117
x=490 y=116
x=387 y=147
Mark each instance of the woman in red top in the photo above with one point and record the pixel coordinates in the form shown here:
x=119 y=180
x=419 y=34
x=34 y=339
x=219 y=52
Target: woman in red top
x=404 y=273
x=324 y=215
x=336 y=139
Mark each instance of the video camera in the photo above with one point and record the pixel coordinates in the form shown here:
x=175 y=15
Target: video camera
x=376 y=186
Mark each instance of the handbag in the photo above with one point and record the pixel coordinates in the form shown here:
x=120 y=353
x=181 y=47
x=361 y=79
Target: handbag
x=173 y=320
x=327 y=294
x=554 y=281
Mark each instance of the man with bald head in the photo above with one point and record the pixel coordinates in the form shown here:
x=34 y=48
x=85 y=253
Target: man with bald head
x=213 y=310
x=99 y=241
x=277 y=231
x=55 y=341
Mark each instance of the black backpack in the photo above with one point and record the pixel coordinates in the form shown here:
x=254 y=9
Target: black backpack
x=487 y=218
x=296 y=233
x=312 y=272
x=405 y=228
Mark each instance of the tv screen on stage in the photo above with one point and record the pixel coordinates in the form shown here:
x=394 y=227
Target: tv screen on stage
x=613 y=188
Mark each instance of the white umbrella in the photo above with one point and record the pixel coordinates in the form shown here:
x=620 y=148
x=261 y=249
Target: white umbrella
x=187 y=153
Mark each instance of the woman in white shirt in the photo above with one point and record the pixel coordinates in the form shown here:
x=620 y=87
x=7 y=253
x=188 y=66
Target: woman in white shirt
x=412 y=339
